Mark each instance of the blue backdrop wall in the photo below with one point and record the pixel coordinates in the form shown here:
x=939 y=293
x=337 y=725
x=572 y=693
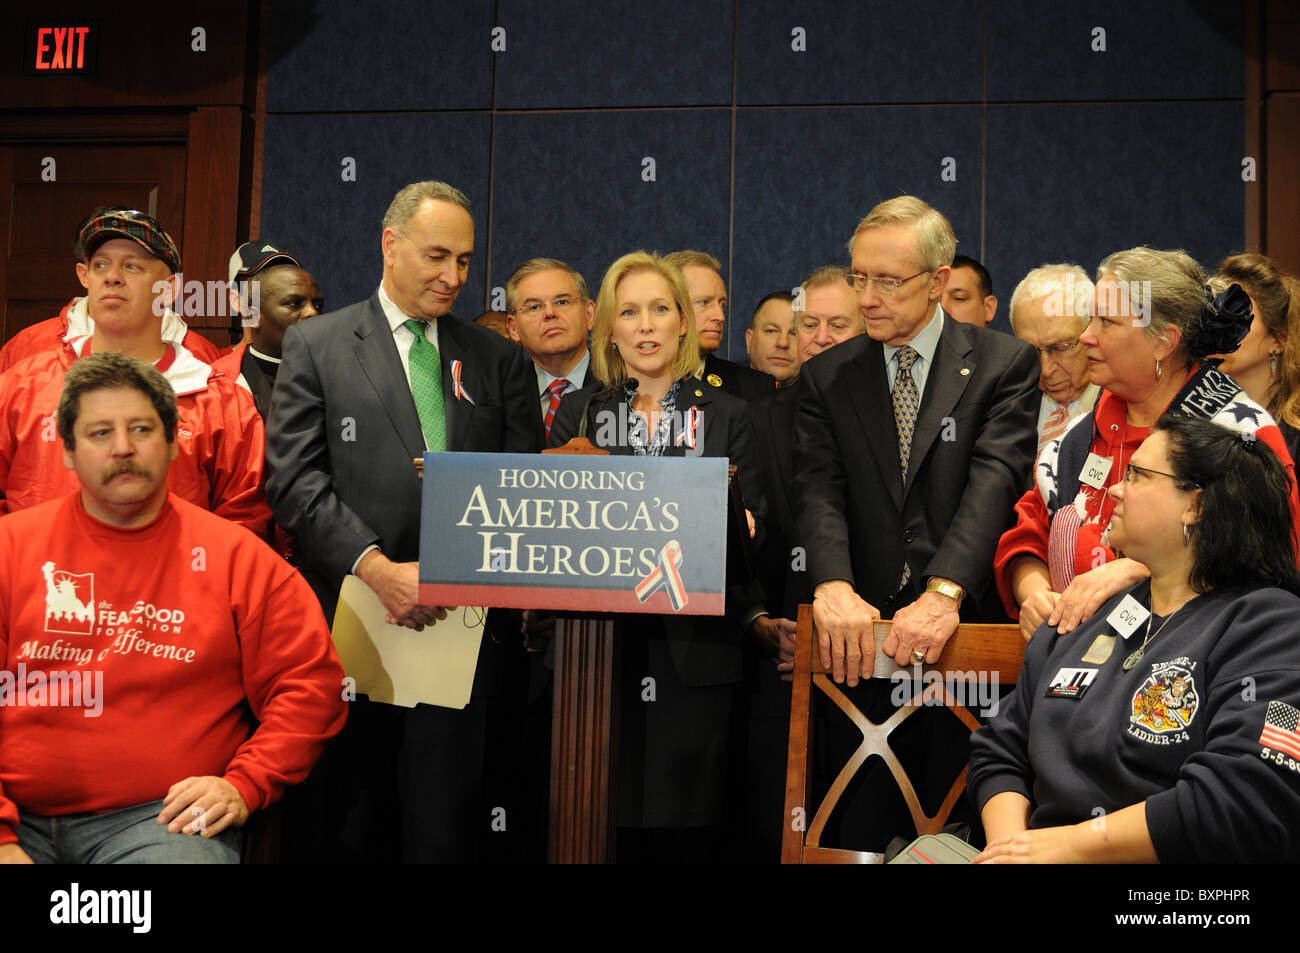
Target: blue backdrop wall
x=1044 y=132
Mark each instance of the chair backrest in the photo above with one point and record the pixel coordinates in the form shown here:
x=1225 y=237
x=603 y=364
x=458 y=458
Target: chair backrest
x=978 y=649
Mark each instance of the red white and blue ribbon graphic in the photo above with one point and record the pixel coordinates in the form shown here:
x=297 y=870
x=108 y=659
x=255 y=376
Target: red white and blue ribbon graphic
x=687 y=434
x=666 y=575
x=458 y=389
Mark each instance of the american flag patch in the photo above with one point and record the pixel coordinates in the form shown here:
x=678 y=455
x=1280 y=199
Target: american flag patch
x=1280 y=723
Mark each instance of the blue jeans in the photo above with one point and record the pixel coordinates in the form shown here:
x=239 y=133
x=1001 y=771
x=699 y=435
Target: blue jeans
x=129 y=836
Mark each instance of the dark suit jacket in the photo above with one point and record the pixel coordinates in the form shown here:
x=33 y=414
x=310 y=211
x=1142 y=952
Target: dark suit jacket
x=972 y=447
x=705 y=650
x=343 y=431
x=737 y=379
x=776 y=587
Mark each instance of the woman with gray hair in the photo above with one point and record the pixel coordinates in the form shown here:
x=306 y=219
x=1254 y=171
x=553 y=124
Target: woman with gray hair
x=1153 y=324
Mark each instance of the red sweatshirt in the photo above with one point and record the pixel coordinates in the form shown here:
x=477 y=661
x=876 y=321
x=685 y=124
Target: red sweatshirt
x=212 y=653
x=219 y=433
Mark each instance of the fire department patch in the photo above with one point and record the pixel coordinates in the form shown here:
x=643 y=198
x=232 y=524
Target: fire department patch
x=1167 y=700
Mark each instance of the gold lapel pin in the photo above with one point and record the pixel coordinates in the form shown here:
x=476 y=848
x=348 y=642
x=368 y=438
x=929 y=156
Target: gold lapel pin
x=965 y=372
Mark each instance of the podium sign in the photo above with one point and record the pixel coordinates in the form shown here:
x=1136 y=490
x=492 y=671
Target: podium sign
x=588 y=533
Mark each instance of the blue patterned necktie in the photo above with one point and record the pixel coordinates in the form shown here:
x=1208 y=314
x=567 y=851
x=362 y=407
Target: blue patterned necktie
x=426 y=387
x=906 y=402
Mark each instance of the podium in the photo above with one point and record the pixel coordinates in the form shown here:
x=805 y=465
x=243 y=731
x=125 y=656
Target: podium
x=649 y=535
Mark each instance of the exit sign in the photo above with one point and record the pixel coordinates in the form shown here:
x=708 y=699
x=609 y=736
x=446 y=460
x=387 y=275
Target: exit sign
x=60 y=47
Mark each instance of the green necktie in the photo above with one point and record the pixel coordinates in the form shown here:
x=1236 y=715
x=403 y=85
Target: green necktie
x=426 y=387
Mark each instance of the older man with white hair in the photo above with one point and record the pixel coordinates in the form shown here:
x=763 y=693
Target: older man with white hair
x=1049 y=310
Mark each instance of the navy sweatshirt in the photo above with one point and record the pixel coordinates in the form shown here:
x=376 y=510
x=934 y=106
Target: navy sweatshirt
x=1203 y=729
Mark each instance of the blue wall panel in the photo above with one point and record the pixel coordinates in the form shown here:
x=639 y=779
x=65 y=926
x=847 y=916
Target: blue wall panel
x=566 y=54
x=1075 y=183
x=344 y=56
x=889 y=51
x=571 y=186
x=1154 y=49
x=806 y=177
x=334 y=225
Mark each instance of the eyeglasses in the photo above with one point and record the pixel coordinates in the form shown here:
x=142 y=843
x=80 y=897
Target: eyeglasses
x=885 y=287
x=535 y=309
x=1058 y=352
x=1131 y=469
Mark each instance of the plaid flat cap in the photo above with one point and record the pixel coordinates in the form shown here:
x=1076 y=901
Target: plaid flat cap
x=138 y=226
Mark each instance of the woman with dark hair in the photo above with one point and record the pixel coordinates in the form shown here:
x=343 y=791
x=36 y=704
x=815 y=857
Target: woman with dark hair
x=1267 y=362
x=1165 y=729
x=674 y=753
x=1153 y=324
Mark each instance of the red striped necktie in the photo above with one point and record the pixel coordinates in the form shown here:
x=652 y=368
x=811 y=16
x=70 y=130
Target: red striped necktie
x=556 y=390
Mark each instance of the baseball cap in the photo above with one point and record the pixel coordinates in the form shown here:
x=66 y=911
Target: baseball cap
x=255 y=256
x=111 y=222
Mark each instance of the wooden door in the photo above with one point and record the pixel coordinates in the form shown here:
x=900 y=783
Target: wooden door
x=49 y=188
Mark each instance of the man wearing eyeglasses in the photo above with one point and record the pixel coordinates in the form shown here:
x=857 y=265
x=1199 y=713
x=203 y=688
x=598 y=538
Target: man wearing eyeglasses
x=903 y=501
x=550 y=313
x=1049 y=310
x=912 y=444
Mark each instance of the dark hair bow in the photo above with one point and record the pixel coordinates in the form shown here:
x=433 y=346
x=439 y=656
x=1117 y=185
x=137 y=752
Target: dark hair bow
x=1225 y=321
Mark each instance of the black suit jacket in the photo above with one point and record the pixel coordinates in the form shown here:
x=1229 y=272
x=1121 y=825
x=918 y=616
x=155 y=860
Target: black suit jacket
x=343 y=432
x=972 y=448
x=777 y=587
x=737 y=379
x=705 y=649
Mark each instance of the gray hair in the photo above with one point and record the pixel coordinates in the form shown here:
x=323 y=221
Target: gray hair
x=1170 y=288
x=935 y=241
x=1066 y=280
x=408 y=201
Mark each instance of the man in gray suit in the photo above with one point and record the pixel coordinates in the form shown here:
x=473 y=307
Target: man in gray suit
x=362 y=393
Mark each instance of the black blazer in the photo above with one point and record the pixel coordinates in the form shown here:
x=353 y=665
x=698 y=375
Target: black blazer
x=343 y=431
x=779 y=588
x=705 y=649
x=972 y=449
x=736 y=379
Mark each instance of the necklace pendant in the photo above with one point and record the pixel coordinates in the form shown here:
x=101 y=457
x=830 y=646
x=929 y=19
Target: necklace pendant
x=1131 y=662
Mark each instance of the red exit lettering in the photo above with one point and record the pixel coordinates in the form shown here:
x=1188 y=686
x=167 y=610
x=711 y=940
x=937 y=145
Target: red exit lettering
x=69 y=42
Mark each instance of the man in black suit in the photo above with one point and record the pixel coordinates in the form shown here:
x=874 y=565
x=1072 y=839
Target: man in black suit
x=903 y=500
x=362 y=393
x=703 y=274
x=912 y=445
x=549 y=313
x=826 y=314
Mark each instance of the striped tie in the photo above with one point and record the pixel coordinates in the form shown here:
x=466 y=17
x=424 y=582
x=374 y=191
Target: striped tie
x=556 y=390
x=1053 y=426
x=426 y=387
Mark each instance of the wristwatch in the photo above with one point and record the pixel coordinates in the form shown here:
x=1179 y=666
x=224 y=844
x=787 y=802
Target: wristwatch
x=945 y=588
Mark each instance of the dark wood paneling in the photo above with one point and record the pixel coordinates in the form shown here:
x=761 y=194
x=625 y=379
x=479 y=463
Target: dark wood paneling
x=40 y=216
x=211 y=199
x=146 y=56
x=1282 y=171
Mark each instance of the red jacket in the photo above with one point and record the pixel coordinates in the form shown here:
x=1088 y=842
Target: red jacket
x=50 y=334
x=193 y=649
x=220 y=434
x=1113 y=440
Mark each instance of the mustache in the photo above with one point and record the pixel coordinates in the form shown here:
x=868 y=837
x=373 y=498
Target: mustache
x=125 y=466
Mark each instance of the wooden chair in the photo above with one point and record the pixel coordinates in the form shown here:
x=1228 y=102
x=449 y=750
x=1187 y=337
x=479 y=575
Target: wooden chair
x=979 y=648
